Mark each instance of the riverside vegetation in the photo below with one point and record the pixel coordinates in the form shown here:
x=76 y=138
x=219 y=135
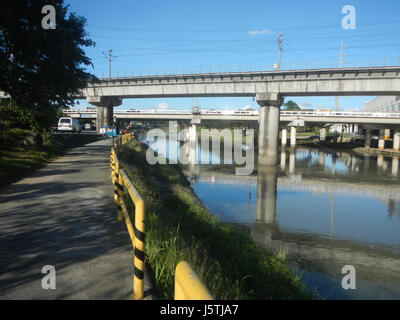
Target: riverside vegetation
x=178 y=227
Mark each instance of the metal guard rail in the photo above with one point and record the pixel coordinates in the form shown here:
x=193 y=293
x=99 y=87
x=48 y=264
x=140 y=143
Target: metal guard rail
x=188 y=285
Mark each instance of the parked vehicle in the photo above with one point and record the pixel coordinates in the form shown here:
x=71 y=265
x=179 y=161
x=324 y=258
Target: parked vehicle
x=109 y=132
x=88 y=126
x=68 y=125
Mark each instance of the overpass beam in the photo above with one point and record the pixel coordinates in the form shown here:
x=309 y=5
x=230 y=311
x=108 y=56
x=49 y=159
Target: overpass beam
x=105 y=107
x=269 y=127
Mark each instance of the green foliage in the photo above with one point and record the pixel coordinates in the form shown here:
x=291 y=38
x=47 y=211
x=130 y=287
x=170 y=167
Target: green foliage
x=41 y=69
x=291 y=105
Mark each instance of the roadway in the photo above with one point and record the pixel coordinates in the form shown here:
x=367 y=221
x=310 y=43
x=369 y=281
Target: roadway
x=64 y=215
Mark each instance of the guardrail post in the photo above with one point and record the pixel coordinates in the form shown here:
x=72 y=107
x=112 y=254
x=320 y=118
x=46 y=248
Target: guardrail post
x=116 y=175
x=120 y=186
x=139 y=251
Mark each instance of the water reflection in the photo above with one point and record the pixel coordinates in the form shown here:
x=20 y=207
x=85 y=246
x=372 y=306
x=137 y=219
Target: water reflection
x=324 y=209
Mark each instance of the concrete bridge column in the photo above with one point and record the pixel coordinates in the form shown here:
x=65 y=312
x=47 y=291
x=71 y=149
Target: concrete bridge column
x=387 y=134
x=269 y=128
x=266 y=194
x=395 y=165
x=105 y=107
x=284 y=137
x=368 y=138
x=396 y=141
x=356 y=129
x=193 y=144
x=283 y=159
x=322 y=134
x=292 y=136
x=381 y=141
x=292 y=160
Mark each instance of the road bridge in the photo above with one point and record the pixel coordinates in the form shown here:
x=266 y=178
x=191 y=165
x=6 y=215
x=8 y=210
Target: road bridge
x=268 y=87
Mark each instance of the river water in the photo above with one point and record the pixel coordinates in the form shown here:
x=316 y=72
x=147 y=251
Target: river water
x=323 y=209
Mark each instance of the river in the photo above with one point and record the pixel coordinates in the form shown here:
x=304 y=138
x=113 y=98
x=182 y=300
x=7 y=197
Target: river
x=322 y=209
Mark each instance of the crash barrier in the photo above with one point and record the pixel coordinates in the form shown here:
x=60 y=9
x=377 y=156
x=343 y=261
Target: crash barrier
x=188 y=285
x=136 y=230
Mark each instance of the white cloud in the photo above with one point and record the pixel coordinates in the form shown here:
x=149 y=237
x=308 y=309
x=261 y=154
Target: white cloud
x=256 y=32
x=162 y=106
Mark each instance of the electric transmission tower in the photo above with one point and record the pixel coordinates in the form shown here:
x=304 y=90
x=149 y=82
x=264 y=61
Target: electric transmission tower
x=109 y=57
x=341 y=63
x=279 y=40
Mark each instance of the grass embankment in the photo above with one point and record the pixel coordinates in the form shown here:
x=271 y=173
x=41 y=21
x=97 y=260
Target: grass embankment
x=178 y=227
x=17 y=159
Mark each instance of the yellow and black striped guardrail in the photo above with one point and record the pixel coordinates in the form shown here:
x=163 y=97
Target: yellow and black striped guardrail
x=136 y=230
x=188 y=285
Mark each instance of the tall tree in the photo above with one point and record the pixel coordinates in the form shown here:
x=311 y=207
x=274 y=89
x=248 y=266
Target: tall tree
x=42 y=68
x=291 y=105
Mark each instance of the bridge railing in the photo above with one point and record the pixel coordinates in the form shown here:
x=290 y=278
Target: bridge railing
x=354 y=114
x=188 y=285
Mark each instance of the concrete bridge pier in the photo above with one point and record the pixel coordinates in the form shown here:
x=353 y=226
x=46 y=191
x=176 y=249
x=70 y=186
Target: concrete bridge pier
x=322 y=134
x=269 y=127
x=284 y=137
x=395 y=165
x=266 y=194
x=293 y=132
x=396 y=141
x=105 y=107
x=193 y=141
x=368 y=138
x=283 y=159
x=292 y=160
x=381 y=141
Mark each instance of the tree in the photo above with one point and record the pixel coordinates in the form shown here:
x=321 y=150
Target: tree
x=42 y=68
x=291 y=105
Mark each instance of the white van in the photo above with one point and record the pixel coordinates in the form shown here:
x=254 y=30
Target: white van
x=68 y=124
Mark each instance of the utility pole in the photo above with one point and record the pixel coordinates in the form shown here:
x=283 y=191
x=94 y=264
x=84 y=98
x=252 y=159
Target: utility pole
x=279 y=40
x=341 y=54
x=340 y=66
x=109 y=57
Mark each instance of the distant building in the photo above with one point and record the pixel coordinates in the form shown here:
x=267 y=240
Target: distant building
x=383 y=104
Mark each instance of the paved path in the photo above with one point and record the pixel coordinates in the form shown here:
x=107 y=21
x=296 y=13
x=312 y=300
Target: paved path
x=64 y=216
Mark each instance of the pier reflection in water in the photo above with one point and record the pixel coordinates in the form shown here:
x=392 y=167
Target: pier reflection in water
x=324 y=210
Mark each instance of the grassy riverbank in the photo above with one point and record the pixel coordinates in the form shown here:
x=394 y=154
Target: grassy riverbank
x=178 y=227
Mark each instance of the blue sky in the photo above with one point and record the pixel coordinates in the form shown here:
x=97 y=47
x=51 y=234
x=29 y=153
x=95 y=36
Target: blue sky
x=153 y=37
